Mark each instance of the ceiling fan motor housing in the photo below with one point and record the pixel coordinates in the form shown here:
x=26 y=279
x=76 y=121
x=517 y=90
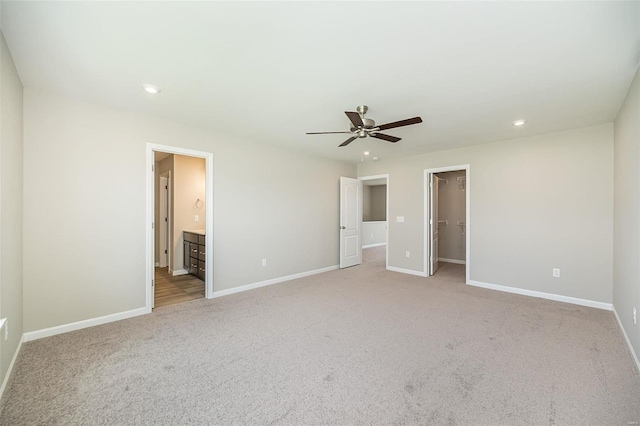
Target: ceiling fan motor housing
x=368 y=123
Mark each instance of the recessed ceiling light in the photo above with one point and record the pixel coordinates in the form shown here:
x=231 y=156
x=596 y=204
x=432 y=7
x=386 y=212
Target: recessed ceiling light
x=150 y=88
x=519 y=122
x=375 y=158
x=366 y=153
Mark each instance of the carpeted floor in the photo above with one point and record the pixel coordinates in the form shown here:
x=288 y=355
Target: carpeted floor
x=355 y=346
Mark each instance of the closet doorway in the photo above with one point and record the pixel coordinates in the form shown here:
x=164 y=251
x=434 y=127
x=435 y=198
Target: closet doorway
x=447 y=242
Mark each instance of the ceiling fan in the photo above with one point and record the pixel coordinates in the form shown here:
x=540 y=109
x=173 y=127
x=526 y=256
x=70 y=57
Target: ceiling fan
x=362 y=127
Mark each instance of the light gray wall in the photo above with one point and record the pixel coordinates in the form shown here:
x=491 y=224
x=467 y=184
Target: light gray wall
x=87 y=249
x=366 y=203
x=451 y=207
x=374 y=203
x=626 y=248
x=378 y=203
x=374 y=233
x=11 y=145
x=188 y=184
x=537 y=203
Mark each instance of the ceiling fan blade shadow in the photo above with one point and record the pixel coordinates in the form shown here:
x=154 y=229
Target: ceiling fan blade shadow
x=348 y=141
x=324 y=133
x=387 y=138
x=407 y=122
x=355 y=118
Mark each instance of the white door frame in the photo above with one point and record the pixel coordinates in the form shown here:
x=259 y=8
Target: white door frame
x=427 y=214
x=385 y=176
x=149 y=223
x=434 y=240
x=163 y=230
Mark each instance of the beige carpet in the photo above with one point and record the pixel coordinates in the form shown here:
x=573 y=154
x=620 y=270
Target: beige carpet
x=355 y=346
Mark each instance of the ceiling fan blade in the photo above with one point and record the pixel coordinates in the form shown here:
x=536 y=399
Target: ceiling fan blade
x=407 y=122
x=355 y=118
x=324 y=133
x=385 y=137
x=348 y=141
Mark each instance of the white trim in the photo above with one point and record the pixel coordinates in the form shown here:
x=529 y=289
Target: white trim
x=2 y=321
x=372 y=177
x=459 y=262
x=78 y=325
x=157 y=264
x=10 y=369
x=179 y=272
x=542 y=295
x=383 y=176
x=150 y=250
x=374 y=245
x=170 y=225
x=406 y=271
x=426 y=254
x=624 y=333
x=164 y=218
x=259 y=284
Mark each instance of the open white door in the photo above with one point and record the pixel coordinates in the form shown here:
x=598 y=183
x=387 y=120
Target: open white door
x=350 y=222
x=433 y=225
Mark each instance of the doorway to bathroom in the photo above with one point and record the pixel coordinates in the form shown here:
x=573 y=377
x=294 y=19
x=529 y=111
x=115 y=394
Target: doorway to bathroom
x=179 y=210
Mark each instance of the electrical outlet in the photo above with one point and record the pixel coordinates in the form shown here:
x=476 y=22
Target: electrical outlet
x=6 y=330
x=264 y=262
x=635 y=317
x=556 y=272
x=408 y=254
x=196 y=218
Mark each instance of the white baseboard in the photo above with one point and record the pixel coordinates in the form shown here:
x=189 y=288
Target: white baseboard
x=157 y=264
x=52 y=331
x=542 y=295
x=177 y=272
x=406 y=271
x=459 y=262
x=624 y=333
x=234 y=290
x=374 y=245
x=10 y=369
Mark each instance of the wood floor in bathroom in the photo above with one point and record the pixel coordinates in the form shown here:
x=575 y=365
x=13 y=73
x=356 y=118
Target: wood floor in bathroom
x=181 y=288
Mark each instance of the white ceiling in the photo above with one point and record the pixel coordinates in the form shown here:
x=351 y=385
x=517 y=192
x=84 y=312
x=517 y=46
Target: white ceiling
x=271 y=71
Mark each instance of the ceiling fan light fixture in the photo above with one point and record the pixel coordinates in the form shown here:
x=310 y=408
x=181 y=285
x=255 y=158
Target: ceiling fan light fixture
x=519 y=123
x=150 y=88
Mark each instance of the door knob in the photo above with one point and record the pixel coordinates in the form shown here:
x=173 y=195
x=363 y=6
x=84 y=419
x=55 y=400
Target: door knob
x=343 y=227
